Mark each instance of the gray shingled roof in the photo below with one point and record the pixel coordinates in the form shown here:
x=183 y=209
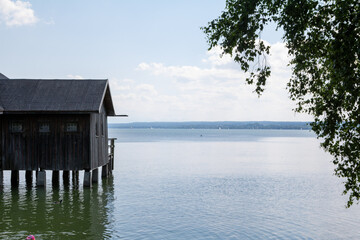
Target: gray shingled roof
x=34 y=95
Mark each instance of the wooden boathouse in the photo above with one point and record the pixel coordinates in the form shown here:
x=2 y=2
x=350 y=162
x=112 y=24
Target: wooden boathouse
x=57 y=125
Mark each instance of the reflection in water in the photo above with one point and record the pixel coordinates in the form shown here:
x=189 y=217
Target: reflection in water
x=82 y=213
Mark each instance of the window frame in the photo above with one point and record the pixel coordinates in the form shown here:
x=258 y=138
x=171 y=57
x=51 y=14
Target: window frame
x=69 y=127
x=14 y=129
x=44 y=131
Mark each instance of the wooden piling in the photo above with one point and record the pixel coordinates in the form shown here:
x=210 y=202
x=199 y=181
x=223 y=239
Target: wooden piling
x=109 y=167
x=28 y=177
x=1 y=177
x=14 y=178
x=41 y=178
x=55 y=178
x=112 y=151
x=95 y=175
x=87 y=178
x=105 y=171
x=75 y=178
x=66 y=178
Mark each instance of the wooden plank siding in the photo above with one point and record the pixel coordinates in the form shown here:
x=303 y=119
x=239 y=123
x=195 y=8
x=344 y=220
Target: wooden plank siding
x=58 y=149
x=1 y=142
x=98 y=139
x=104 y=154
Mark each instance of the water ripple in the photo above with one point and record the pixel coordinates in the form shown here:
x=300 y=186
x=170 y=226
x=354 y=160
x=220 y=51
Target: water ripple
x=164 y=193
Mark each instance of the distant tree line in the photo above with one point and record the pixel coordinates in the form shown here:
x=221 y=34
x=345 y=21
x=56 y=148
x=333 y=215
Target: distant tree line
x=215 y=125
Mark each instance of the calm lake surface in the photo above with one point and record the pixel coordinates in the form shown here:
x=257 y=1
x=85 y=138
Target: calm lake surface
x=193 y=184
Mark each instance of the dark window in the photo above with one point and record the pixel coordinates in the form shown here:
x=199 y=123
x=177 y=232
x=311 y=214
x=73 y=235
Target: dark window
x=17 y=127
x=44 y=127
x=96 y=129
x=71 y=127
x=102 y=129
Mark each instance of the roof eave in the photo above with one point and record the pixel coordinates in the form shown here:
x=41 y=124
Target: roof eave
x=2 y=76
x=49 y=112
x=107 y=101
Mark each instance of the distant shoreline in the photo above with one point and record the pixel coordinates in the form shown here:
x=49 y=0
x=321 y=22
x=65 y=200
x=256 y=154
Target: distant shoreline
x=215 y=125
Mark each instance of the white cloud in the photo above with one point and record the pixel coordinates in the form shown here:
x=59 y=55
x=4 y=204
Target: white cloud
x=17 y=13
x=279 y=59
x=149 y=89
x=143 y=66
x=213 y=90
x=191 y=72
x=216 y=58
x=49 y=22
x=74 y=76
x=120 y=85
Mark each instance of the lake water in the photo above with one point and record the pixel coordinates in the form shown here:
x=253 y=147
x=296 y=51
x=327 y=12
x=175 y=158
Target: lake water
x=193 y=184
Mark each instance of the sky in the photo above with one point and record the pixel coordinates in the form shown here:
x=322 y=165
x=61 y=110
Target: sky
x=153 y=52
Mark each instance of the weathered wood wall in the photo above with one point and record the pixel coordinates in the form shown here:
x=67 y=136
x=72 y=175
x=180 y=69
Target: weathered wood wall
x=1 y=143
x=57 y=149
x=98 y=139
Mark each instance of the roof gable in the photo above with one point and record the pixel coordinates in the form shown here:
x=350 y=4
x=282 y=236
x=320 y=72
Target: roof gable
x=2 y=76
x=38 y=95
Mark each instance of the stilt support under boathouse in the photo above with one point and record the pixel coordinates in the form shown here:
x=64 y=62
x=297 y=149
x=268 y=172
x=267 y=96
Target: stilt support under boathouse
x=66 y=178
x=95 y=175
x=41 y=178
x=1 y=177
x=105 y=171
x=55 y=178
x=87 y=178
x=15 y=178
x=28 y=177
